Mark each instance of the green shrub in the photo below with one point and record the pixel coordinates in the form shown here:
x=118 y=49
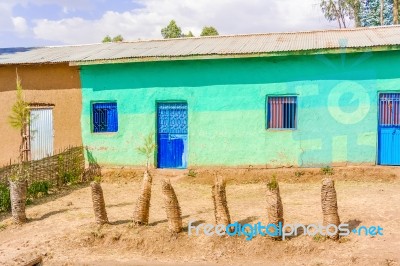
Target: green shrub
x=319 y=238
x=5 y=200
x=273 y=183
x=38 y=188
x=327 y=170
x=69 y=178
x=299 y=173
x=192 y=173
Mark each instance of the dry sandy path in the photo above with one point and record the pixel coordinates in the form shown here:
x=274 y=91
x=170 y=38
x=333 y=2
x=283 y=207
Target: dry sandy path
x=63 y=231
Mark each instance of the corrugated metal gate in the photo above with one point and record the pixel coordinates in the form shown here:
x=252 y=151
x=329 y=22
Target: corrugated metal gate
x=41 y=133
x=172 y=126
x=389 y=129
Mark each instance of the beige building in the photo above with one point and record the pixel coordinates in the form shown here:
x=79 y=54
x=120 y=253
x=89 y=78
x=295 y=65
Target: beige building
x=53 y=91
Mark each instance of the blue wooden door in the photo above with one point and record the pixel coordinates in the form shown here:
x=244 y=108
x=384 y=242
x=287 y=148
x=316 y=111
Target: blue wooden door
x=172 y=129
x=389 y=129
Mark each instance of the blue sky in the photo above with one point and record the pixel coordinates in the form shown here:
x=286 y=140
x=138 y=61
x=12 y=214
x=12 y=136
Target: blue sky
x=26 y=23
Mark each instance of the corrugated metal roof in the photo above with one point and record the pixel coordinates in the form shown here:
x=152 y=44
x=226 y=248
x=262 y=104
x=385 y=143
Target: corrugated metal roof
x=217 y=46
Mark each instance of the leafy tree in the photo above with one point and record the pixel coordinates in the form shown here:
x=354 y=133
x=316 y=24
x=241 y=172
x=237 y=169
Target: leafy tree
x=190 y=34
x=107 y=39
x=209 y=31
x=365 y=13
x=341 y=11
x=171 y=31
x=118 y=38
x=19 y=119
x=370 y=12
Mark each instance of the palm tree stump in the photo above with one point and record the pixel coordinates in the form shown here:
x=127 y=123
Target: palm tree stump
x=221 y=211
x=274 y=204
x=18 y=200
x=141 y=212
x=329 y=206
x=99 y=206
x=172 y=207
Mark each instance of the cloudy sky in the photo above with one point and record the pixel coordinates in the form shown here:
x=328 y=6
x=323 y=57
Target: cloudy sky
x=26 y=23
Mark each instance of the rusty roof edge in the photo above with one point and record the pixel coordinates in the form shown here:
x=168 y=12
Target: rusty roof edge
x=380 y=48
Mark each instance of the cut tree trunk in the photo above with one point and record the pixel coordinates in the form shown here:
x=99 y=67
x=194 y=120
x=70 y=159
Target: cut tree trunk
x=329 y=206
x=221 y=211
x=99 y=206
x=18 y=200
x=274 y=205
x=172 y=207
x=141 y=213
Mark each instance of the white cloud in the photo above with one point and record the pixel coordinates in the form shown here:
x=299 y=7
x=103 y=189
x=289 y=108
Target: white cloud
x=20 y=25
x=228 y=16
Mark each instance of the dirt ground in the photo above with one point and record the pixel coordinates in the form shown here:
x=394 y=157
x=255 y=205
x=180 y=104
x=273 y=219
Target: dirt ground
x=61 y=227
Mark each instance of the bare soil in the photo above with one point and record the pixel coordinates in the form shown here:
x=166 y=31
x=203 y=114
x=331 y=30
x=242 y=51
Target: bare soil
x=61 y=228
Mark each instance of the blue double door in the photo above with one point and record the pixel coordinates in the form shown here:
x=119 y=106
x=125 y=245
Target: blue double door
x=172 y=135
x=389 y=129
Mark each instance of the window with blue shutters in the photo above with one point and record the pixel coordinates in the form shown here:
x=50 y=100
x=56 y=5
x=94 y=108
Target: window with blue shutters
x=105 y=117
x=282 y=112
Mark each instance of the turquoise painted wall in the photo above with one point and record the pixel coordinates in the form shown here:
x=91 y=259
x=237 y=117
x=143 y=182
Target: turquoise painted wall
x=337 y=107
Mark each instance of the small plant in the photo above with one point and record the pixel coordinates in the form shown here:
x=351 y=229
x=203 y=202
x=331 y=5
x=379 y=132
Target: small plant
x=192 y=173
x=273 y=183
x=319 y=238
x=70 y=178
x=38 y=189
x=327 y=170
x=344 y=239
x=274 y=203
x=142 y=207
x=148 y=148
x=19 y=119
x=299 y=173
x=28 y=201
x=3 y=227
x=97 y=233
x=97 y=179
x=5 y=200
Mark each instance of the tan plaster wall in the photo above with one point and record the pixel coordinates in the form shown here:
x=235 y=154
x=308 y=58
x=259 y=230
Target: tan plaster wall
x=56 y=84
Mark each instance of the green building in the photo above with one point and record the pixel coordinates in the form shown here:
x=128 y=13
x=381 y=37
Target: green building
x=281 y=99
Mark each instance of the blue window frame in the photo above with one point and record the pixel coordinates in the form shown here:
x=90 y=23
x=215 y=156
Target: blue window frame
x=282 y=112
x=105 y=117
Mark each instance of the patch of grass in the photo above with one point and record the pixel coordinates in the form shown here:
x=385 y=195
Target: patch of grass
x=97 y=179
x=344 y=239
x=273 y=183
x=28 y=201
x=97 y=234
x=38 y=189
x=3 y=227
x=319 y=238
x=327 y=170
x=299 y=173
x=70 y=178
x=192 y=173
x=5 y=200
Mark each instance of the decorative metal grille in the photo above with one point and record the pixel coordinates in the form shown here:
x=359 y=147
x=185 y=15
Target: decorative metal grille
x=172 y=118
x=105 y=117
x=389 y=109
